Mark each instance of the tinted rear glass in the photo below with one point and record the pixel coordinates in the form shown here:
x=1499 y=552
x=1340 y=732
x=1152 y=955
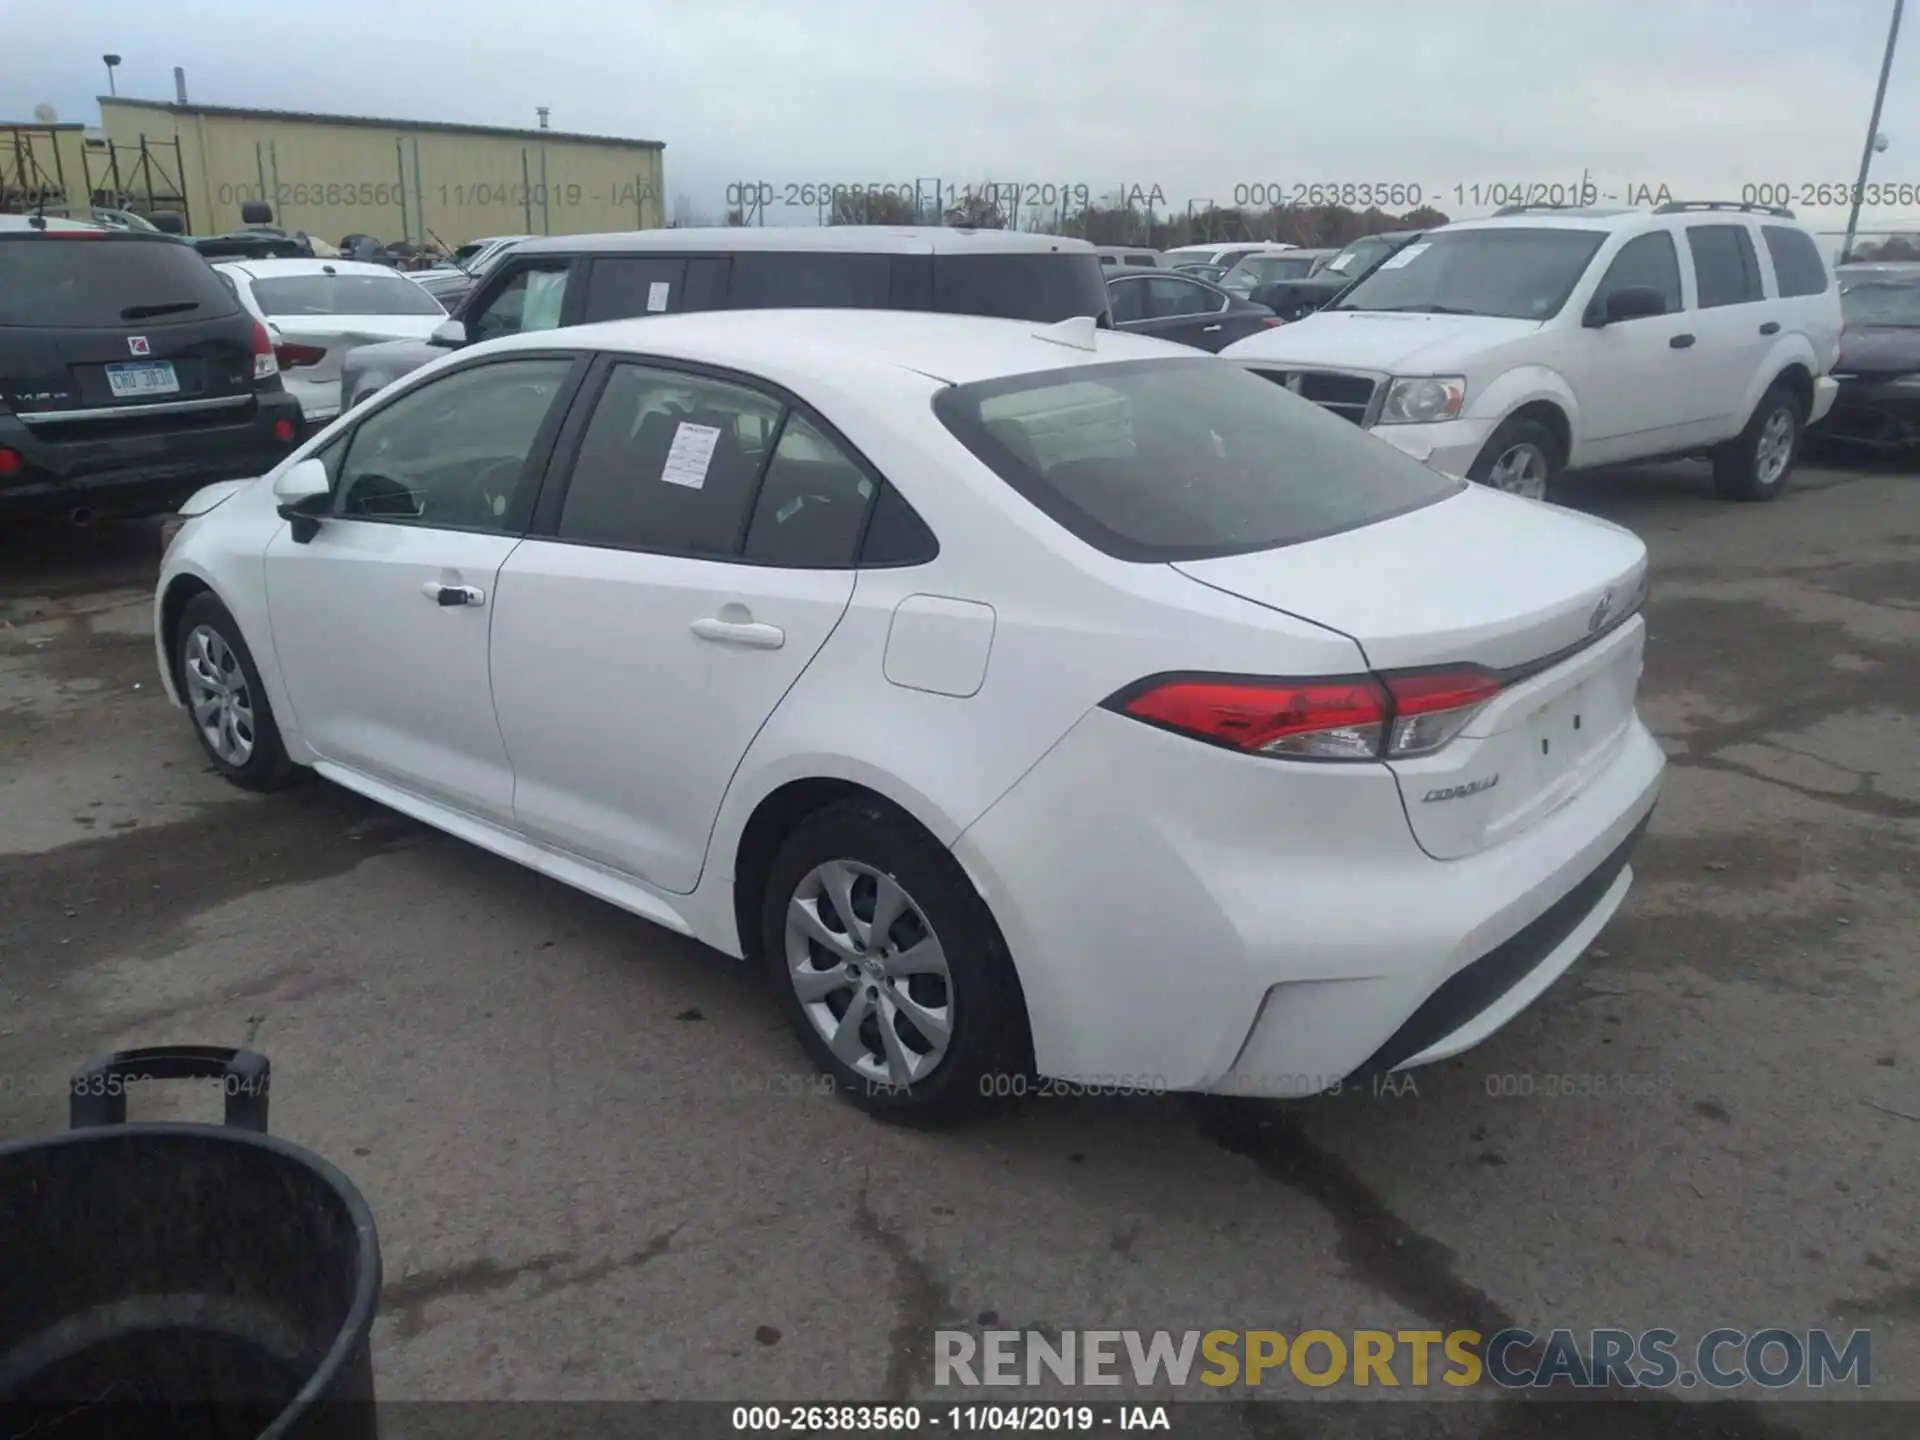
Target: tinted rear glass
x=769 y=280
x=343 y=295
x=1041 y=287
x=1160 y=460
x=1796 y=261
x=106 y=282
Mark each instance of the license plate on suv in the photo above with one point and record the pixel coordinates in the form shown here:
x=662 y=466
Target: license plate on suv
x=132 y=382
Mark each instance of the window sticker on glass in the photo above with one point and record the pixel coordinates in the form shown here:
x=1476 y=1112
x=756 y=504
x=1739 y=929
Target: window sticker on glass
x=1405 y=257
x=656 y=296
x=690 y=455
x=1339 y=264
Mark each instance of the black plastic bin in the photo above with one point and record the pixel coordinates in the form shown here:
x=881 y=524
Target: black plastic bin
x=162 y=1280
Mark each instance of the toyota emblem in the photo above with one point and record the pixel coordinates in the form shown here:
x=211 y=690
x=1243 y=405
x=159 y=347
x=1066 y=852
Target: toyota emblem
x=137 y=345
x=1600 y=613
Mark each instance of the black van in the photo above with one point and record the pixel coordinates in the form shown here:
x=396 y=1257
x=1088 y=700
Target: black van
x=578 y=279
x=129 y=375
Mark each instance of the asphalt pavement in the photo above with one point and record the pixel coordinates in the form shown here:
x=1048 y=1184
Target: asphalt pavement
x=601 y=1168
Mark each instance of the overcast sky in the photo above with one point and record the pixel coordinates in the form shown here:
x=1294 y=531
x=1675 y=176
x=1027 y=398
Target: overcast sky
x=1194 y=96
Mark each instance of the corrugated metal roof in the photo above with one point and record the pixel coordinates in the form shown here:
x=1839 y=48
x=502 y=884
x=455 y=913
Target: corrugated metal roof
x=229 y=112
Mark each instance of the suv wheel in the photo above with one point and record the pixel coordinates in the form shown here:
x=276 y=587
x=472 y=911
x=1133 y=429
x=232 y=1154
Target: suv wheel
x=1522 y=458
x=890 y=967
x=1757 y=463
x=221 y=686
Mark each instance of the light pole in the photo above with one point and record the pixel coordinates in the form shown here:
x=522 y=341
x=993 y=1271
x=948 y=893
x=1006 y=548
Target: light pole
x=1873 y=132
x=111 y=61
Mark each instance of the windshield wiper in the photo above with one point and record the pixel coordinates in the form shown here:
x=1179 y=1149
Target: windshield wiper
x=147 y=312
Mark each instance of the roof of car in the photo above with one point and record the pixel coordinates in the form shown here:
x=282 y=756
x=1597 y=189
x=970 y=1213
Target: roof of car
x=1617 y=218
x=847 y=239
x=955 y=349
x=279 y=269
x=47 y=222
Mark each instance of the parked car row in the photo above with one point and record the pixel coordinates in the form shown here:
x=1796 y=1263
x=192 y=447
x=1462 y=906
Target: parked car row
x=1508 y=350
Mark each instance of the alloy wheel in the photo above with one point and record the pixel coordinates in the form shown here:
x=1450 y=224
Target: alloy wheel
x=1774 y=450
x=1520 y=470
x=219 y=696
x=869 y=972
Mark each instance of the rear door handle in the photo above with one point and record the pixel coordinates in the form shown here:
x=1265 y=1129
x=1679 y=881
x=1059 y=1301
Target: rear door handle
x=1772 y=327
x=453 y=594
x=1681 y=342
x=740 y=632
x=1209 y=329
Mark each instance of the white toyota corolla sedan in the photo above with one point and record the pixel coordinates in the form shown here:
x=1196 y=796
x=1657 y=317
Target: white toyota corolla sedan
x=1028 y=701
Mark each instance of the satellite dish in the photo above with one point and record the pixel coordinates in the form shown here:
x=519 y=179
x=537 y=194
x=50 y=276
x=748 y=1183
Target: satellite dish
x=45 y=113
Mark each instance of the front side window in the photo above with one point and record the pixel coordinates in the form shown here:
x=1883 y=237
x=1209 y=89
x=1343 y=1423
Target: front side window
x=1650 y=262
x=1184 y=459
x=1725 y=269
x=669 y=463
x=531 y=300
x=1517 y=272
x=450 y=453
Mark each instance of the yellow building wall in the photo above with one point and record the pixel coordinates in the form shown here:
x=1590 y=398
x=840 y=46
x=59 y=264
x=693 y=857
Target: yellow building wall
x=333 y=180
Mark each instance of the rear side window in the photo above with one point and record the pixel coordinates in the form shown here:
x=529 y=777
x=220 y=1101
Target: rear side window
x=105 y=281
x=1142 y=260
x=668 y=463
x=1041 y=287
x=1796 y=260
x=896 y=535
x=343 y=295
x=1162 y=460
x=1725 y=269
x=813 y=502
x=769 y=280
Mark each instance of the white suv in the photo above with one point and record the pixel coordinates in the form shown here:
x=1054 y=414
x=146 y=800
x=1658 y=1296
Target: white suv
x=1514 y=348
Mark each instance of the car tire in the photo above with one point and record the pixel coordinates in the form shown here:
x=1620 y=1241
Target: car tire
x=218 y=682
x=822 y=967
x=1521 y=458
x=1758 y=462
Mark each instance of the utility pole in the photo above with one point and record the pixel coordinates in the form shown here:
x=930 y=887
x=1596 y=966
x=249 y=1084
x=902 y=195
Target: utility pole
x=1873 y=131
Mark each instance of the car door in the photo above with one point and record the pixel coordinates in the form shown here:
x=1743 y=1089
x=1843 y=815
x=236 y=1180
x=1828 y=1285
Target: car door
x=380 y=619
x=1635 y=378
x=1186 y=310
x=683 y=571
x=1732 y=308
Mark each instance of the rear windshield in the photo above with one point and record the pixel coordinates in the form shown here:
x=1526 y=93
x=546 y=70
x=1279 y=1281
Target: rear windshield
x=343 y=295
x=105 y=281
x=1158 y=460
x=1045 y=288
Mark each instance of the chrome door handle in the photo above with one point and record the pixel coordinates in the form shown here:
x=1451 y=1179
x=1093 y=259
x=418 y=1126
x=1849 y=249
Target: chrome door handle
x=1208 y=329
x=448 y=595
x=740 y=632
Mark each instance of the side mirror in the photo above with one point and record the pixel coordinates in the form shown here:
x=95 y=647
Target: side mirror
x=1629 y=302
x=303 y=493
x=449 y=335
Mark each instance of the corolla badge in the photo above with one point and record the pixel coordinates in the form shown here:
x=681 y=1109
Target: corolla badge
x=1460 y=792
x=1600 y=613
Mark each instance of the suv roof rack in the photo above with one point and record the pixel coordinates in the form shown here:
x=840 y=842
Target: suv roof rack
x=1677 y=207
x=1523 y=209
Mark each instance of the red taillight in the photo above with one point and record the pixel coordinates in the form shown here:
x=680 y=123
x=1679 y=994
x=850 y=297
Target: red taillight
x=284 y=432
x=1344 y=718
x=265 y=367
x=292 y=357
x=10 y=462
x=1268 y=322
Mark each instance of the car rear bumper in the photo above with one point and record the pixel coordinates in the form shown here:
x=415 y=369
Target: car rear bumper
x=137 y=466
x=1873 y=413
x=1241 y=926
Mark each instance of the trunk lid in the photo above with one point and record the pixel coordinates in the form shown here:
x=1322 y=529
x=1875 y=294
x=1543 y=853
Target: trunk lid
x=1544 y=597
x=335 y=335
